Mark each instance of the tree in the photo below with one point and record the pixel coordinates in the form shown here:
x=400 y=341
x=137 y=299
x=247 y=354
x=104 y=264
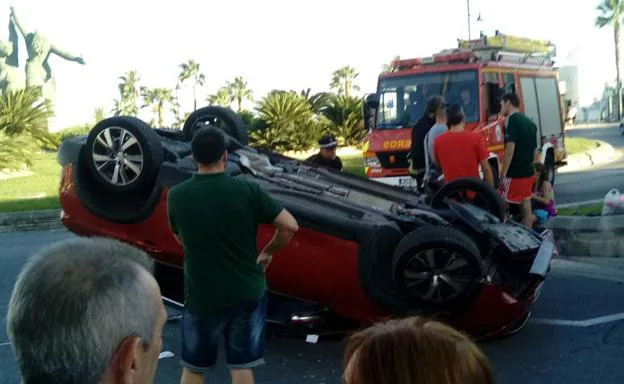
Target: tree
x=221 y=98
x=238 y=92
x=99 y=115
x=345 y=119
x=343 y=80
x=158 y=98
x=388 y=67
x=286 y=120
x=611 y=13
x=127 y=104
x=190 y=71
x=23 y=126
x=318 y=101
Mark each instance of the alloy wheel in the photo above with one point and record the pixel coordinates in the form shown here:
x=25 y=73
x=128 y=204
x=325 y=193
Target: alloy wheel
x=437 y=275
x=118 y=156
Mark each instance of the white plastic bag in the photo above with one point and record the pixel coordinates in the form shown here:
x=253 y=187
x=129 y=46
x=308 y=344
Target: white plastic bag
x=613 y=203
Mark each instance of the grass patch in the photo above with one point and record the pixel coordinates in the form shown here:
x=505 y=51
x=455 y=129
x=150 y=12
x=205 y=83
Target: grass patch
x=39 y=191
x=576 y=145
x=583 y=210
x=35 y=192
x=353 y=164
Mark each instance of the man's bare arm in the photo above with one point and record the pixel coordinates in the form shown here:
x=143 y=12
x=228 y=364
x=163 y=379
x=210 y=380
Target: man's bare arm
x=285 y=228
x=488 y=176
x=510 y=147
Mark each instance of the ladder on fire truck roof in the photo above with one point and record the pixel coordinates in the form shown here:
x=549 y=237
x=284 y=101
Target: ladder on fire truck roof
x=499 y=48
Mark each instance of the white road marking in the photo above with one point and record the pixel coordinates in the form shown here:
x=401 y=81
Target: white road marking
x=581 y=323
x=4 y=344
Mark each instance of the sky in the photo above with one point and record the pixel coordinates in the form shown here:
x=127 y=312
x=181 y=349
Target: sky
x=284 y=44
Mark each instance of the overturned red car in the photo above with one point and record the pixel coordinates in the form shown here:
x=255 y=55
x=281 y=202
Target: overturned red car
x=365 y=251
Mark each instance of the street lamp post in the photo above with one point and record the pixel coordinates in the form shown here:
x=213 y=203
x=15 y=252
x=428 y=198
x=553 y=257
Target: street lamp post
x=469 y=31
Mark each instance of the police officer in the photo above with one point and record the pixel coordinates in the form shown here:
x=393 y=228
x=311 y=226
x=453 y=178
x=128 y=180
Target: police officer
x=327 y=154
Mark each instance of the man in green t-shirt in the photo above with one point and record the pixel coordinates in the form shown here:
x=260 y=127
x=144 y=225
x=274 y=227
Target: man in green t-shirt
x=519 y=164
x=215 y=217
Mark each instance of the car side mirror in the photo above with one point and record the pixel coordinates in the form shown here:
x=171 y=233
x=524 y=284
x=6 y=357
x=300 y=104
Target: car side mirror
x=369 y=106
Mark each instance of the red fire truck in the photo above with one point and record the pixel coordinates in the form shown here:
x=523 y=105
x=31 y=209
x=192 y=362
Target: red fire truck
x=475 y=75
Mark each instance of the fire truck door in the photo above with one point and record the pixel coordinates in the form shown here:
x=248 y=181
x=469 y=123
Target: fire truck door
x=548 y=99
x=531 y=108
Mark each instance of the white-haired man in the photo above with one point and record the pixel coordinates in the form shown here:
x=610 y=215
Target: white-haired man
x=87 y=311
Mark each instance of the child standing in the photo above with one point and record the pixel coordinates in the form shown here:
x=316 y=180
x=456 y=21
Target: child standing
x=543 y=200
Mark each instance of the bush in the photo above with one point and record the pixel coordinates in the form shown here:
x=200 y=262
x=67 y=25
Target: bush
x=25 y=113
x=345 y=116
x=287 y=122
x=74 y=131
x=15 y=151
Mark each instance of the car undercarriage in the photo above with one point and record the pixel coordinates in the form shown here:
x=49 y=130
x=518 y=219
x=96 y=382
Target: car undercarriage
x=391 y=251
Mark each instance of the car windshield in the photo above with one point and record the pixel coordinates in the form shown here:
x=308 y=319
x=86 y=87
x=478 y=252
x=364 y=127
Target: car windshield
x=402 y=100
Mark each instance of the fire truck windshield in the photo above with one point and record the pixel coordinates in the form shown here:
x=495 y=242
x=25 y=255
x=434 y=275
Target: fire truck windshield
x=402 y=99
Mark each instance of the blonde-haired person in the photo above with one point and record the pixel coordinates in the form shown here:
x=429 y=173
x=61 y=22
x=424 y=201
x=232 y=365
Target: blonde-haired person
x=414 y=350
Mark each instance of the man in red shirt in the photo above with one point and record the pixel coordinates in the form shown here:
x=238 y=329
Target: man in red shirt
x=459 y=153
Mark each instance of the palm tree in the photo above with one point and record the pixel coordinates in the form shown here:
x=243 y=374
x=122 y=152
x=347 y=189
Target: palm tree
x=343 y=80
x=388 y=67
x=190 y=71
x=285 y=118
x=239 y=92
x=318 y=101
x=157 y=98
x=345 y=117
x=25 y=113
x=221 y=98
x=99 y=115
x=127 y=104
x=611 y=13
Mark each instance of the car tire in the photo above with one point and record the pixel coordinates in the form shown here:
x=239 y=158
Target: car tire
x=622 y=129
x=549 y=166
x=441 y=256
x=123 y=154
x=234 y=125
x=495 y=203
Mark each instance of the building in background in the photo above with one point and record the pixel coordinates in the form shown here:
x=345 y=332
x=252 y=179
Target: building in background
x=569 y=85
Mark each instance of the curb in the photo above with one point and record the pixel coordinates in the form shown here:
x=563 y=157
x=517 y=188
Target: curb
x=591 y=125
x=589 y=236
x=604 y=153
x=581 y=203
x=30 y=220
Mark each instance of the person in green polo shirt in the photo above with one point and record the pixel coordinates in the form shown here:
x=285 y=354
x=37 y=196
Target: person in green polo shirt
x=518 y=174
x=215 y=217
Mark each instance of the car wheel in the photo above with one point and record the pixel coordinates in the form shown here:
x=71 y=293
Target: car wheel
x=485 y=197
x=622 y=129
x=123 y=153
x=223 y=118
x=437 y=268
x=549 y=165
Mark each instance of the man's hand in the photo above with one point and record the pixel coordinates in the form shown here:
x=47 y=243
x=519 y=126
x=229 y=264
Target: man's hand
x=264 y=259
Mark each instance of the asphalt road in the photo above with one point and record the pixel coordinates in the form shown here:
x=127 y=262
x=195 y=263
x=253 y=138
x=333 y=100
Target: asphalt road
x=557 y=346
x=593 y=183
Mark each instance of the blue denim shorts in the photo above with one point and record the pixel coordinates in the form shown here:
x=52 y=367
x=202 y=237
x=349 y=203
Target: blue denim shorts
x=242 y=327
